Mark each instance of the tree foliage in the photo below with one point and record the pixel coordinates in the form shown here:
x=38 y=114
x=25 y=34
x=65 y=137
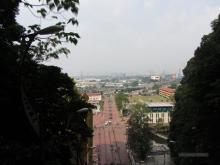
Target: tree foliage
x=134 y=83
x=138 y=132
x=121 y=98
x=195 y=118
x=51 y=93
x=156 y=87
x=50 y=11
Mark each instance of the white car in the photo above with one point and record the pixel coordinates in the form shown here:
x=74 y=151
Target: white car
x=108 y=122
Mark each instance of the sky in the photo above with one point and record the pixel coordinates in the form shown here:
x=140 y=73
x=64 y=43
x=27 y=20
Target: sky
x=134 y=36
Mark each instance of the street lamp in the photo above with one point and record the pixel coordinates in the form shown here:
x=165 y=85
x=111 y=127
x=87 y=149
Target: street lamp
x=50 y=30
x=31 y=37
x=172 y=141
x=88 y=146
x=82 y=110
x=32 y=116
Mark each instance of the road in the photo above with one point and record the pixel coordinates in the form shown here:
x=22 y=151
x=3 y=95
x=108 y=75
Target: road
x=109 y=137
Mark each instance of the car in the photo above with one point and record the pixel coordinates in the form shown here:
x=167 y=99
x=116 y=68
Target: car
x=106 y=122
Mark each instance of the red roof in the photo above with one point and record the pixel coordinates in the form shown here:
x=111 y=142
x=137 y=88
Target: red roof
x=166 y=89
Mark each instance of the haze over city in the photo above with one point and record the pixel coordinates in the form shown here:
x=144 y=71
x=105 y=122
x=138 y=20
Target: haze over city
x=110 y=82
x=135 y=36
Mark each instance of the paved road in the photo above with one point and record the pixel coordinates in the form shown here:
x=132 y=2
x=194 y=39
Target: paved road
x=109 y=137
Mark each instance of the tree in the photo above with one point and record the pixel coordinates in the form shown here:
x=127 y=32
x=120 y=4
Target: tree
x=50 y=11
x=121 y=99
x=51 y=93
x=138 y=132
x=196 y=115
x=156 y=87
x=173 y=85
x=135 y=83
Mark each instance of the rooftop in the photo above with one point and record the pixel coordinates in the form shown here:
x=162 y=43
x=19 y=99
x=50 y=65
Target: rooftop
x=160 y=104
x=171 y=90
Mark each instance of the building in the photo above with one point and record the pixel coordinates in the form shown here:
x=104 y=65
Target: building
x=94 y=98
x=166 y=92
x=174 y=76
x=159 y=112
x=155 y=78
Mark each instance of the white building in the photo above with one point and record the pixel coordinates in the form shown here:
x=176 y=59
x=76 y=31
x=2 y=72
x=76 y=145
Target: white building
x=159 y=112
x=95 y=98
x=155 y=78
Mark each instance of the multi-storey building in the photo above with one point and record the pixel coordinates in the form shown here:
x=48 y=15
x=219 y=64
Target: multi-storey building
x=94 y=98
x=166 y=92
x=155 y=78
x=159 y=112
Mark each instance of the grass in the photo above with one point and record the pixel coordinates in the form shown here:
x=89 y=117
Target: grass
x=144 y=99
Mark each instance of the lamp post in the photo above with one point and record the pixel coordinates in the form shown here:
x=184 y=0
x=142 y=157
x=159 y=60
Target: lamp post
x=172 y=141
x=87 y=144
x=31 y=37
x=82 y=110
x=88 y=147
x=32 y=116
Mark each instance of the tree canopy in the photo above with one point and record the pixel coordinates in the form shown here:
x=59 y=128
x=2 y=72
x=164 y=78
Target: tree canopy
x=138 y=132
x=51 y=93
x=121 y=99
x=195 y=119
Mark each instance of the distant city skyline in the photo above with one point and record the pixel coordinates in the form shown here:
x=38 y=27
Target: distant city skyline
x=132 y=73
x=86 y=75
x=126 y=36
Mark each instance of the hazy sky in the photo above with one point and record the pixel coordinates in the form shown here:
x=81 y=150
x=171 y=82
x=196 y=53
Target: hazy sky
x=135 y=36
